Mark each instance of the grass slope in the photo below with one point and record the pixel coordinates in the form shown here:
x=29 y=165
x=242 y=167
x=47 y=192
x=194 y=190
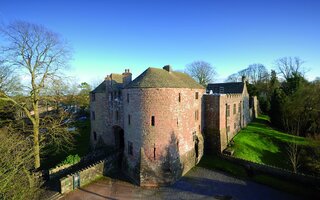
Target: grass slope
x=261 y=143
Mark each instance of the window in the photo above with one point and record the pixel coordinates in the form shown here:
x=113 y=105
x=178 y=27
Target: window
x=154 y=151
x=228 y=129
x=235 y=126
x=152 y=121
x=234 y=108
x=94 y=136
x=179 y=97
x=117 y=115
x=129 y=119
x=130 y=148
x=128 y=98
x=196 y=115
x=119 y=94
x=221 y=90
x=199 y=128
x=239 y=108
x=177 y=122
x=228 y=111
x=93 y=96
x=93 y=115
x=197 y=95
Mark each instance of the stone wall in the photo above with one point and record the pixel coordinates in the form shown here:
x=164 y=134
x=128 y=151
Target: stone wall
x=257 y=168
x=98 y=125
x=57 y=171
x=88 y=174
x=177 y=126
x=221 y=127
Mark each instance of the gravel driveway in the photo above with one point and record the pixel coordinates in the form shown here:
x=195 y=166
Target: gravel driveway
x=199 y=183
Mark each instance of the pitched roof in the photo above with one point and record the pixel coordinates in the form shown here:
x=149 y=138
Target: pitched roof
x=160 y=78
x=101 y=88
x=226 y=88
x=116 y=81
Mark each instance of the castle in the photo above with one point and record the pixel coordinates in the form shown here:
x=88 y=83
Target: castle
x=161 y=121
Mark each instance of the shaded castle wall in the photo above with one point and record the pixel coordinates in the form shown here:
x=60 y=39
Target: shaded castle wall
x=98 y=106
x=220 y=128
x=165 y=151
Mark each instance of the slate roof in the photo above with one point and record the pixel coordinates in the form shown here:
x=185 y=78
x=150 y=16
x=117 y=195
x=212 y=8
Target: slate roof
x=160 y=78
x=116 y=81
x=101 y=88
x=226 y=88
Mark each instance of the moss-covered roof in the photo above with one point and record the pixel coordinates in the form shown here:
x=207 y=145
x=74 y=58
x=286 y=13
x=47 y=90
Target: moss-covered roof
x=160 y=78
x=117 y=78
x=116 y=81
x=101 y=88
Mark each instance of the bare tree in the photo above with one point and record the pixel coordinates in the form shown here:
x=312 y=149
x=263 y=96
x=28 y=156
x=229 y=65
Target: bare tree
x=203 y=72
x=255 y=73
x=294 y=152
x=287 y=66
x=9 y=83
x=16 y=162
x=40 y=54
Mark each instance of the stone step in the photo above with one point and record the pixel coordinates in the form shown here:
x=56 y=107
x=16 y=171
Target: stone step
x=56 y=196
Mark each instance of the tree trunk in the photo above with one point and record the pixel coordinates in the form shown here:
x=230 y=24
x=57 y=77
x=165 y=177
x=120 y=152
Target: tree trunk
x=36 y=145
x=36 y=148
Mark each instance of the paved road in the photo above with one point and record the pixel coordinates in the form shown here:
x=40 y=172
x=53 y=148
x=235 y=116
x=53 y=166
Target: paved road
x=199 y=183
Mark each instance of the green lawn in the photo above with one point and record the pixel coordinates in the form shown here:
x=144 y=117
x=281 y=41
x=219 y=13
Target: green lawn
x=261 y=143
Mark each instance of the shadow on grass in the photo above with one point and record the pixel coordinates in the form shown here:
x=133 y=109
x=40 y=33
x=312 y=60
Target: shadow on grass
x=81 y=146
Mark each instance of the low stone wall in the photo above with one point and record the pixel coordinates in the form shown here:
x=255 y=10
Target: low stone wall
x=88 y=174
x=57 y=171
x=257 y=168
x=63 y=170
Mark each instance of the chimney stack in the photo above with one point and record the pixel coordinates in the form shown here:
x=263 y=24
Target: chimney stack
x=167 y=68
x=126 y=77
x=244 y=79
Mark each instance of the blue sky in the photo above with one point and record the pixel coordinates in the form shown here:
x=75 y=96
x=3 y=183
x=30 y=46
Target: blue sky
x=109 y=36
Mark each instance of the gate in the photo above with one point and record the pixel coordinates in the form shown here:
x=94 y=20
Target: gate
x=76 y=180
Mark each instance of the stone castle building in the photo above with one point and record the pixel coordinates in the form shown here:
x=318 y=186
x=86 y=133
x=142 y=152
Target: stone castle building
x=157 y=121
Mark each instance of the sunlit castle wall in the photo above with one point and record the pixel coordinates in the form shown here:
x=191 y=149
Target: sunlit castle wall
x=162 y=129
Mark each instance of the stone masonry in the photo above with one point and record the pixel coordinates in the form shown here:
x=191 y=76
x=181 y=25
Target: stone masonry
x=157 y=120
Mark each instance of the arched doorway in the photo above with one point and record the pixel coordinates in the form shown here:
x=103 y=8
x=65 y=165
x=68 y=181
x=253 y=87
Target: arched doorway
x=119 y=142
x=118 y=137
